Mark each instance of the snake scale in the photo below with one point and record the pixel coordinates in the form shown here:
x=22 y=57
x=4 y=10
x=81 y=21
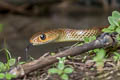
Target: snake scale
x=63 y=35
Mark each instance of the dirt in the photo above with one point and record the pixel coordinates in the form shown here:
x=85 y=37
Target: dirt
x=83 y=70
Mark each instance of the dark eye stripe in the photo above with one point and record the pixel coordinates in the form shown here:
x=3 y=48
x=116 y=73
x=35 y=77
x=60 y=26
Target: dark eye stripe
x=42 y=36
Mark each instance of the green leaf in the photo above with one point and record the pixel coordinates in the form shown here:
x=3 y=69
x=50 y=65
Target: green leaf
x=61 y=66
x=8 y=76
x=1 y=66
x=2 y=75
x=118 y=37
x=13 y=76
x=118 y=30
x=8 y=54
x=89 y=39
x=116 y=14
x=110 y=19
x=112 y=28
x=68 y=70
x=7 y=67
x=86 y=39
x=64 y=77
x=63 y=59
x=60 y=72
x=113 y=21
x=116 y=56
x=11 y=62
x=53 y=71
x=93 y=38
x=107 y=30
x=96 y=50
x=100 y=55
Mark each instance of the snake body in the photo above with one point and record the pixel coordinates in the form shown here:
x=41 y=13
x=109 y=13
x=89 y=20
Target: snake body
x=63 y=35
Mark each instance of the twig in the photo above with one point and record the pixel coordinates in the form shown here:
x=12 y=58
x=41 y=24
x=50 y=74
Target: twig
x=105 y=41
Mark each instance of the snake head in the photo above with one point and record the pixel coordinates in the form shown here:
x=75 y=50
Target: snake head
x=43 y=38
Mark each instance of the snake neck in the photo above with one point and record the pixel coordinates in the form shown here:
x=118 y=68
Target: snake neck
x=67 y=35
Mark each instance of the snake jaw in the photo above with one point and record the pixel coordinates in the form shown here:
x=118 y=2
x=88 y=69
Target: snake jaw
x=37 y=43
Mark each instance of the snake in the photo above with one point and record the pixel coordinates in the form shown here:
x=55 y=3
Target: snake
x=63 y=35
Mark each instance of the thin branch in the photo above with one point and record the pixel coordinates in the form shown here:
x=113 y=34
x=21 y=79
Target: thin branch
x=21 y=70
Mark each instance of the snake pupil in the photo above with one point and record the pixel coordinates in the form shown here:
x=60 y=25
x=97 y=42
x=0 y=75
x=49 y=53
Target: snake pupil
x=43 y=36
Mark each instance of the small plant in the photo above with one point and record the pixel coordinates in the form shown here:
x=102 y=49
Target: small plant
x=99 y=58
x=5 y=67
x=100 y=53
x=114 y=21
x=62 y=70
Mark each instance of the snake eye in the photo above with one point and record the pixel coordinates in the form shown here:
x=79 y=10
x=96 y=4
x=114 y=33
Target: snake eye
x=43 y=36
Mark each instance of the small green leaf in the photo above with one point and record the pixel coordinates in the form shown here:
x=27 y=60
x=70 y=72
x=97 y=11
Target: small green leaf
x=7 y=67
x=112 y=28
x=113 y=21
x=118 y=37
x=2 y=75
x=86 y=39
x=68 y=70
x=64 y=77
x=8 y=76
x=110 y=19
x=63 y=59
x=1 y=66
x=13 y=76
x=118 y=30
x=11 y=62
x=116 y=14
x=100 y=55
x=53 y=71
x=60 y=72
x=116 y=56
x=107 y=30
x=96 y=50
x=89 y=39
x=61 y=66
x=8 y=54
